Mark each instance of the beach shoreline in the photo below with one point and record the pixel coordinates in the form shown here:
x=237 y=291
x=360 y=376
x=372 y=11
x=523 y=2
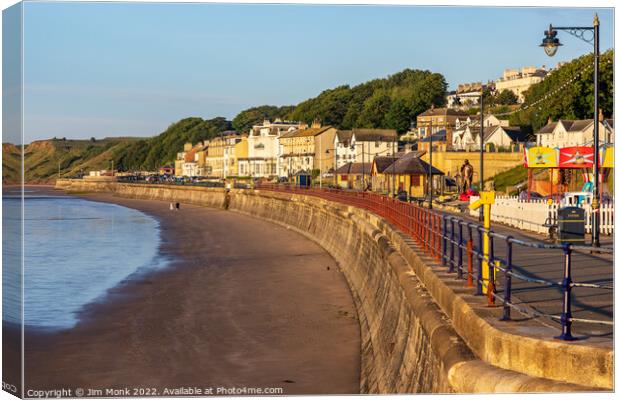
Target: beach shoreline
x=242 y=303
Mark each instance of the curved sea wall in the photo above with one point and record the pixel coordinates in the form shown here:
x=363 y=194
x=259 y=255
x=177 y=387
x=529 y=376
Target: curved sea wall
x=409 y=342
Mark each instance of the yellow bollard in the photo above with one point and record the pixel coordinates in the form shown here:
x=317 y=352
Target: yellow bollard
x=486 y=200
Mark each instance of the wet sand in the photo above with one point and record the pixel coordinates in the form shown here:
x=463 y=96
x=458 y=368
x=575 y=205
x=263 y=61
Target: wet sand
x=243 y=303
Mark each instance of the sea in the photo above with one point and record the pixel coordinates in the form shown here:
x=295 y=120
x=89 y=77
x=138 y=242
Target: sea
x=74 y=251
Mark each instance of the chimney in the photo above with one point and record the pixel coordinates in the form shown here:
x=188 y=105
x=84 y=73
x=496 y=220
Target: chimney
x=316 y=124
x=549 y=120
x=600 y=115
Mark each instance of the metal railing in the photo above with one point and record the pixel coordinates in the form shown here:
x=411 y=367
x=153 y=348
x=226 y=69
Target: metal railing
x=457 y=244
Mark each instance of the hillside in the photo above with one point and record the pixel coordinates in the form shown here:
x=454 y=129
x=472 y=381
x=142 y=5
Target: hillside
x=557 y=96
x=391 y=102
x=11 y=163
x=43 y=158
x=153 y=152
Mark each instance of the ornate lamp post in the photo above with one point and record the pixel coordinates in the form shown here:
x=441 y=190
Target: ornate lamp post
x=430 y=165
x=551 y=44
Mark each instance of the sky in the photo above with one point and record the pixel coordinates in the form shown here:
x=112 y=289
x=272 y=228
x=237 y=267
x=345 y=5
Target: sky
x=132 y=69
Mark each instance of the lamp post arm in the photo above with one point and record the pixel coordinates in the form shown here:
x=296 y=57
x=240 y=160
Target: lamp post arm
x=583 y=33
x=577 y=31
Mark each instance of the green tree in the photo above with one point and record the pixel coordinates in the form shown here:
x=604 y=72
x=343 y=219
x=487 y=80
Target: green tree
x=398 y=116
x=255 y=115
x=506 y=97
x=374 y=111
x=344 y=106
x=568 y=93
x=162 y=149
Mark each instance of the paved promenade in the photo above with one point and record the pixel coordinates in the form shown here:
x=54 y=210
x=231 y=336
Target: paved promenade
x=548 y=264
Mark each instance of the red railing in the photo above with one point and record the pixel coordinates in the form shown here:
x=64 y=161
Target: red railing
x=420 y=223
x=425 y=227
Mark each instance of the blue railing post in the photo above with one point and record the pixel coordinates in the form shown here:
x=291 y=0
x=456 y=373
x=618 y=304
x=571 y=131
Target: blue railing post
x=479 y=257
x=491 y=268
x=444 y=252
x=459 y=266
x=452 y=235
x=507 y=280
x=566 y=286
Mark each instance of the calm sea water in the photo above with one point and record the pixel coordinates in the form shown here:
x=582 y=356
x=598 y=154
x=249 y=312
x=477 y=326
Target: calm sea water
x=75 y=250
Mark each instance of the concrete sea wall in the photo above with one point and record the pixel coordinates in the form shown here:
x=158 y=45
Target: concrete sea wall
x=412 y=331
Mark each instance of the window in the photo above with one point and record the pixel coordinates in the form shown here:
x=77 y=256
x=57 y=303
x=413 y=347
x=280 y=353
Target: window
x=376 y=144
x=415 y=180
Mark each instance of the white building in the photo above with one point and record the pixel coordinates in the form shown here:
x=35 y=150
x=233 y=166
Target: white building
x=518 y=81
x=264 y=149
x=568 y=133
x=489 y=120
x=190 y=168
x=362 y=145
x=466 y=137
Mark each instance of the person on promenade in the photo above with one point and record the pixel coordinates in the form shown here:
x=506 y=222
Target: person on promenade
x=178 y=206
x=171 y=207
x=467 y=173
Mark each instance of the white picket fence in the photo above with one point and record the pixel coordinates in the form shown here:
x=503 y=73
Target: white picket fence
x=533 y=215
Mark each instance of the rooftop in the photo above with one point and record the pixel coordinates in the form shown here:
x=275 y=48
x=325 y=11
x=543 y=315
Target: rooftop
x=306 y=132
x=411 y=163
x=355 y=168
x=375 y=135
x=439 y=136
x=443 y=111
x=574 y=125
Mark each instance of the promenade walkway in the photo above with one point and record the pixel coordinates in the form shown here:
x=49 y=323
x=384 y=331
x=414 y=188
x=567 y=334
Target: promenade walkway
x=548 y=264
x=537 y=301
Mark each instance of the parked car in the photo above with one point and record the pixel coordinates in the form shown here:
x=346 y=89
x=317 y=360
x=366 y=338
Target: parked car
x=533 y=195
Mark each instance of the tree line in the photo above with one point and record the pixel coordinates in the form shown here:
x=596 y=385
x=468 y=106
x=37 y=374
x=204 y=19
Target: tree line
x=392 y=102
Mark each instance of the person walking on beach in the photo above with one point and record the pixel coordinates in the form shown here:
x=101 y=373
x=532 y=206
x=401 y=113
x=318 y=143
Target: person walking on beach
x=171 y=207
x=178 y=205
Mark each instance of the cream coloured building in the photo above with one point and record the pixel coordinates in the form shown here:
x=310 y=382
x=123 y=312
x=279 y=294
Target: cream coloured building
x=518 y=81
x=307 y=149
x=264 y=149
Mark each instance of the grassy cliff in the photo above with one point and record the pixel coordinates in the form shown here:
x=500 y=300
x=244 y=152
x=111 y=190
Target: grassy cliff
x=44 y=158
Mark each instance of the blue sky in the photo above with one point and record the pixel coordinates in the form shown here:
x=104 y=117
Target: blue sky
x=116 y=69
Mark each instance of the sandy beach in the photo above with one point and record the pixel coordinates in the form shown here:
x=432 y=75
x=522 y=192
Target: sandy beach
x=243 y=304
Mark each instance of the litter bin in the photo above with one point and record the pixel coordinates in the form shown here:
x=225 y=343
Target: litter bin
x=571 y=225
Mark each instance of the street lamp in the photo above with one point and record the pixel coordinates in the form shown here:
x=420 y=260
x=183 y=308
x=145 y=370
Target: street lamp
x=550 y=44
x=480 y=98
x=430 y=168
